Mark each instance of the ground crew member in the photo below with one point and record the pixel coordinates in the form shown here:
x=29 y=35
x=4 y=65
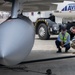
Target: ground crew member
x=63 y=40
x=52 y=17
x=73 y=43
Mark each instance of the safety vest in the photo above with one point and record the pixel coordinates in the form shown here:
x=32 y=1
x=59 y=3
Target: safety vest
x=64 y=38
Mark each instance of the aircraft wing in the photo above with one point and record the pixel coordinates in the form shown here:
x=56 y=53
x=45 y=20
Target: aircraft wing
x=30 y=5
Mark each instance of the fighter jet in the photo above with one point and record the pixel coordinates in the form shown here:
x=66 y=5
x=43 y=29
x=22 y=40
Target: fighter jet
x=17 y=33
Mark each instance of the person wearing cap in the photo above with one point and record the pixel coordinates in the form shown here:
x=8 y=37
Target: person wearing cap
x=63 y=40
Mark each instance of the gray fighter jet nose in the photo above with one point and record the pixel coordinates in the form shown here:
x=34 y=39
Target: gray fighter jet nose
x=16 y=41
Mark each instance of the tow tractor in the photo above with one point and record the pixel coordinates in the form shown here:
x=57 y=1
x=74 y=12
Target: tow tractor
x=44 y=27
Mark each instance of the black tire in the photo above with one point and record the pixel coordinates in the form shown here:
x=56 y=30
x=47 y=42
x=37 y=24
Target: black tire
x=44 y=36
x=69 y=25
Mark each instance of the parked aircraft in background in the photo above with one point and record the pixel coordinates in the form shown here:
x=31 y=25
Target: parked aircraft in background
x=65 y=10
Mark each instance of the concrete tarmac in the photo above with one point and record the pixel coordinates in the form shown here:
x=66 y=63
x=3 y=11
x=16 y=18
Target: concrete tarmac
x=43 y=49
x=47 y=49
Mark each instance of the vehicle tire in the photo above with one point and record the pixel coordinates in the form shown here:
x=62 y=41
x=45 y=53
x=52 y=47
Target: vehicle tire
x=68 y=29
x=43 y=32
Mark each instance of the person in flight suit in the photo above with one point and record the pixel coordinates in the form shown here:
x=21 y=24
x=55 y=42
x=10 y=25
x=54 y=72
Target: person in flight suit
x=63 y=40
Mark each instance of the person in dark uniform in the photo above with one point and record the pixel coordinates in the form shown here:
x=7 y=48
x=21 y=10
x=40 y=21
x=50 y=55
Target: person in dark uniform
x=52 y=17
x=63 y=40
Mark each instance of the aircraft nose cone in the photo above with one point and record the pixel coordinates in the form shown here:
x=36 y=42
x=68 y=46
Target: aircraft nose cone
x=16 y=41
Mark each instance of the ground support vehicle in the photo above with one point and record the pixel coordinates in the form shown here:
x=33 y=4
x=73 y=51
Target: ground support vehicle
x=44 y=27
